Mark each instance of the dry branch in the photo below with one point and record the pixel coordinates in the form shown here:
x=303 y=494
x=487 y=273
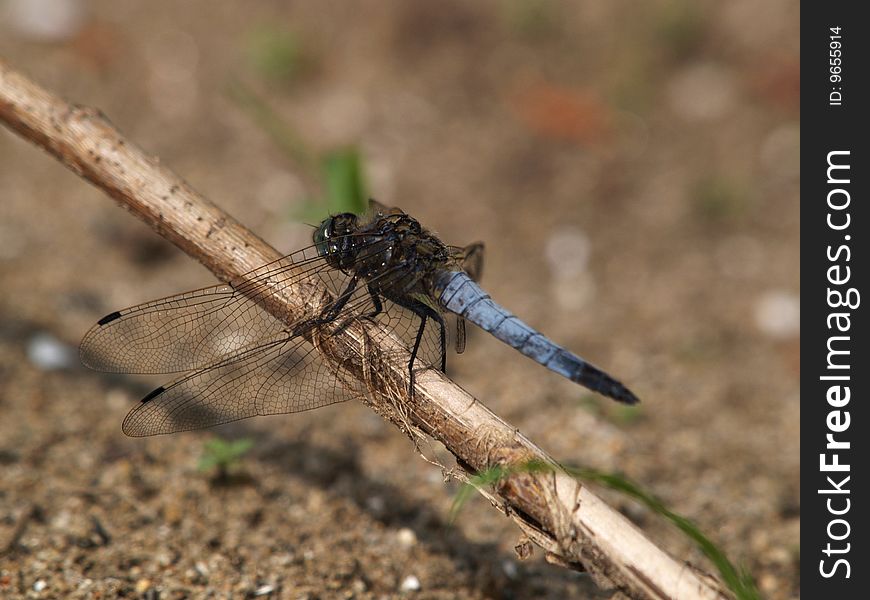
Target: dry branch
x=557 y=512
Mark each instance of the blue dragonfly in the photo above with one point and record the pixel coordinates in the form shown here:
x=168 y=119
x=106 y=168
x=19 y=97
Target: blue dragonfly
x=238 y=360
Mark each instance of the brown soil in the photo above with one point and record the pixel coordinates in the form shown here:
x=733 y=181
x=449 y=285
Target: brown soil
x=661 y=140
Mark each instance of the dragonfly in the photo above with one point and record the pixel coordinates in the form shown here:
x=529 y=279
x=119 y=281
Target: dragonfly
x=235 y=359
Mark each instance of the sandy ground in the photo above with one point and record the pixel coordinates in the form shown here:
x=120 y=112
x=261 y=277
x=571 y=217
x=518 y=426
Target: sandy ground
x=634 y=174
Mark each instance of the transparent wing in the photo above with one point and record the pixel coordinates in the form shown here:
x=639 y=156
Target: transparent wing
x=179 y=333
x=196 y=329
x=283 y=377
x=278 y=377
x=470 y=258
x=245 y=362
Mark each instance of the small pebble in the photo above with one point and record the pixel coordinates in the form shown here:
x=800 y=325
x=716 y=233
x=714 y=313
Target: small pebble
x=45 y=20
x=39 y=585
x=410 y=584
x=376 y=504
x=406 y=537
x=142 y=586
x=567 y=252
x=264 y=590
x=769 y=583
x=117 y=399
x=48 y=353
x=778 y=314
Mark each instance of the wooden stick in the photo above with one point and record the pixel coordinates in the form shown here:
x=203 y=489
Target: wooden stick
x=557 y=512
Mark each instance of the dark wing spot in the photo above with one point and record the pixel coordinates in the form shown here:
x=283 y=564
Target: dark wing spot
x=154 y=393
x=109 y=318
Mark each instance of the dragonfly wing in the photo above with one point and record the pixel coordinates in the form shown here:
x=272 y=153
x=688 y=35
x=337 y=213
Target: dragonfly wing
x=459 y=343
x=197 y=329
x=282 y=377
x=178 y=333
x=246 y=362
x=470 y=259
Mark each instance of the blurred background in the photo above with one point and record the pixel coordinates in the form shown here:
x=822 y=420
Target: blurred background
x=633 y=171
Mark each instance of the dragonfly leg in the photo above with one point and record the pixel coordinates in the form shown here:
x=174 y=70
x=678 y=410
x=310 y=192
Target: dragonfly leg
x=414 y=355
x=426 y=313
x=378 y=307
x=376 y=301
x=329 y=315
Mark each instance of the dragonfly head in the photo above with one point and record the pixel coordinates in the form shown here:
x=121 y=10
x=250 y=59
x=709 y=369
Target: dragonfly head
x=330 y=238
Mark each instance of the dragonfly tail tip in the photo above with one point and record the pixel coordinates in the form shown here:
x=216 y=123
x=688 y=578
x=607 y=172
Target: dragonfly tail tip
x=626 y=396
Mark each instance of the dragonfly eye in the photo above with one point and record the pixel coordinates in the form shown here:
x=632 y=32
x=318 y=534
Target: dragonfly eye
x=328 y=238
x=321 y=235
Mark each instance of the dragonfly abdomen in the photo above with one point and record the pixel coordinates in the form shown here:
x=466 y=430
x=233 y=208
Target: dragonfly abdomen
x=461 y=295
